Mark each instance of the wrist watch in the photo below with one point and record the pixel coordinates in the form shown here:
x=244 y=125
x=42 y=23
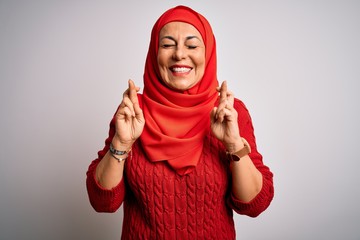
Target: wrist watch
x=241 y=153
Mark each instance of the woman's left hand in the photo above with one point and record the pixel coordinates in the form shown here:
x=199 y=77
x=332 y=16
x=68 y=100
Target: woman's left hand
x=223 y=118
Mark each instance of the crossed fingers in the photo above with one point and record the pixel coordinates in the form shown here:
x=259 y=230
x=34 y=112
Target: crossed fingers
x=130 y=103
x=226 y=104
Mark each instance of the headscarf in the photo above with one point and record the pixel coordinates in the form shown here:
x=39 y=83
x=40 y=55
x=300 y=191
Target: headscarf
x=177 y=122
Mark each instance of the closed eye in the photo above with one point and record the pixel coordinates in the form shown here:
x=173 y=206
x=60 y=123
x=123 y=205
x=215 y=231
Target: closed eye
x=192 y=42
x=167 y=42
x=168 y=45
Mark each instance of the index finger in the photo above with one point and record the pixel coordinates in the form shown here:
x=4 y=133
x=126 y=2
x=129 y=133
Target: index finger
x=133 y=92
x=223 y=91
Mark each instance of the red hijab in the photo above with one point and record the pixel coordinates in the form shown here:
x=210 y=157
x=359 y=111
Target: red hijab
x=177 y=122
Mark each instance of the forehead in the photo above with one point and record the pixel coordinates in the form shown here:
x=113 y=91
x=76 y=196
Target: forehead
x=179 y=28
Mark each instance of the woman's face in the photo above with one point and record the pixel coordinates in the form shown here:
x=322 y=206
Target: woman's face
x=181 y=55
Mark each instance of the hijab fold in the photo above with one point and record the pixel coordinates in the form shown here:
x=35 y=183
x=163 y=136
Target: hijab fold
x=177 y=122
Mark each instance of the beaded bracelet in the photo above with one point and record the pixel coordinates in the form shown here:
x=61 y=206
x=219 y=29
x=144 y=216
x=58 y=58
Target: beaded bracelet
x=114 y=152
x=117 y=152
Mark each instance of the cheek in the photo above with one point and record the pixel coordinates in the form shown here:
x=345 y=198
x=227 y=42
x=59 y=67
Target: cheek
x=160 y=64
x=200 y=59
x=161 y=60
x=200 y=65
x=162 y=69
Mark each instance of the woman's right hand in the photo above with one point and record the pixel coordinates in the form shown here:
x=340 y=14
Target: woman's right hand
x=130 y=119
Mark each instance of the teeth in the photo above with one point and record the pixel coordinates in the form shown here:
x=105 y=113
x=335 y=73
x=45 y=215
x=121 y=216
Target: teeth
x=181 y=69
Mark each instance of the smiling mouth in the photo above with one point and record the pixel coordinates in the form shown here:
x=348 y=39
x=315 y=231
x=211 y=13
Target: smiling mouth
x=180 y=69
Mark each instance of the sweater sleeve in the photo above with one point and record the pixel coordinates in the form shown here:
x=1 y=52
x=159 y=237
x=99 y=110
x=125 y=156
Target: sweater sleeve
x=104 y=200
x=263 y=199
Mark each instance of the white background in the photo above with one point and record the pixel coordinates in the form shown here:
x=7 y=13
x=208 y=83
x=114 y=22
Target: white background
x=65 y=64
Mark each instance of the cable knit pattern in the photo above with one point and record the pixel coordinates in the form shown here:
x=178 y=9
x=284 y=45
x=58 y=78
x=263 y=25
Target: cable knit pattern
x=160 y=204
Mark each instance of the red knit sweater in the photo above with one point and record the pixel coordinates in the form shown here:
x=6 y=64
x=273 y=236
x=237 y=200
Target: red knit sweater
x=160 y=204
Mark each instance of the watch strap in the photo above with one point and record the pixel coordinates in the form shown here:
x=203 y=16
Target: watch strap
x=242 y=152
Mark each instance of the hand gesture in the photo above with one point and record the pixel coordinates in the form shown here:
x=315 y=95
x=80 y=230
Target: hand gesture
x=129 y=117
x=224 y=119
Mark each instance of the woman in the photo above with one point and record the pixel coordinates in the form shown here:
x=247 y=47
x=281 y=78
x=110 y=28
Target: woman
x=182 y=155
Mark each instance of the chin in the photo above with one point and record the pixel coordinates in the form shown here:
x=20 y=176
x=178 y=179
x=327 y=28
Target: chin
x=179 y=87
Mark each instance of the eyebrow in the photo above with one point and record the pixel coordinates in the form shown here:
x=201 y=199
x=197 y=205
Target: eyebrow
x=173 y=39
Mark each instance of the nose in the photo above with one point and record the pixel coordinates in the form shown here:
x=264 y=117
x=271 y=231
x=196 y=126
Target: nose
x=179 y=53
